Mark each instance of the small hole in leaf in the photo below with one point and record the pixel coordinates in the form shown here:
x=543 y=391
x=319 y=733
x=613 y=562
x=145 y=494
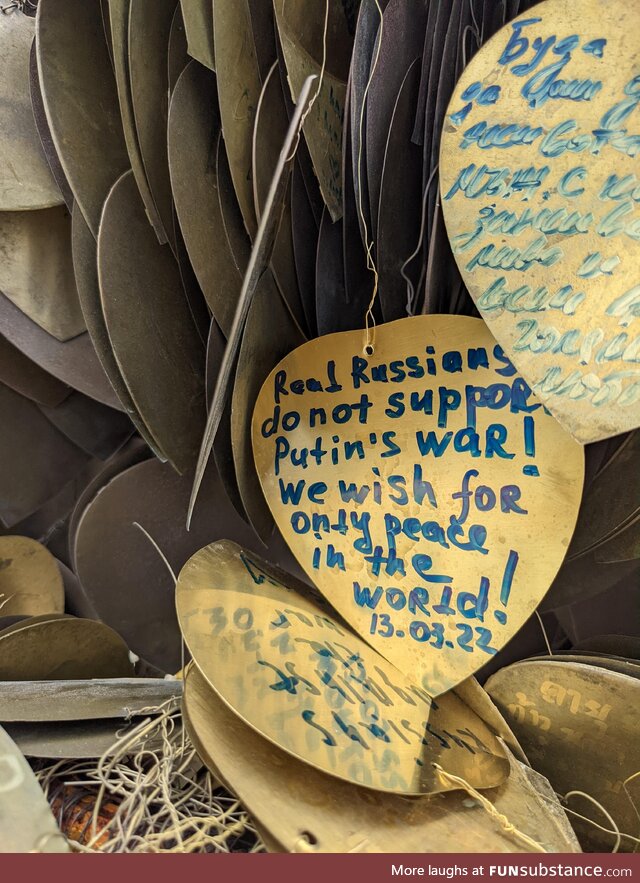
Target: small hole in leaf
x=309 y=838
x=368 y=350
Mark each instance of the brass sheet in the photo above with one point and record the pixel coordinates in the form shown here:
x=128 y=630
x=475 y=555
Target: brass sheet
x=477 y=699
x=308 y=811
x=20 y=622
x=579 y=726
x=66 y=648
x=30 y=581
x=411 y=535
x=25 y=179
x=538 y=178
x=293 y=673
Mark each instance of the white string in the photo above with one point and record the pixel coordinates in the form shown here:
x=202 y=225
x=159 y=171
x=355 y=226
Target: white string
x=411 y=292
x=369 y=319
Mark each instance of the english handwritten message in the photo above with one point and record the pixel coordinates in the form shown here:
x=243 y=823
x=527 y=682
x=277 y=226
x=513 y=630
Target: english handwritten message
x=541 y=192
x=424 y=489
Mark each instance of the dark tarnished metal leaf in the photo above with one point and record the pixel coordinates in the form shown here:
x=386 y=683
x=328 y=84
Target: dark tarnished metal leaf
x=400 y=206
x=198 y=308
x=36 y=271
x=26 y=181
x=198 y=24
x=48 y=524
x=74 y=362
x=36 y=460
x=75 y=600
x=148 y=46
x=269 y=335
x=358 y=278
x=584 y=577
x=194 y=128
x=612 y=502
x=234 y=230
x=119 y=11
x=331 y=297
x=303 y=158
x=81 y=100
x=154 y=339
x=270 y=131
x=239 y=89
x=29 y=379
x=177 y=55
x=135 y=451
x=93 y=427
x=623 y=546
x=85 y=265
x=304 y=231
x=121 y=571
x=362 y=58
x=264 y=35
x=627 y=646
x=401 y=42
x=301 y=31
x=425 y=67
x=222 y=447
x=106 y=25
x=44 y=132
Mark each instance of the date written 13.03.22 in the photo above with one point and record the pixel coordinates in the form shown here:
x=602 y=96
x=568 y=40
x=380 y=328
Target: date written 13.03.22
x=434 y=635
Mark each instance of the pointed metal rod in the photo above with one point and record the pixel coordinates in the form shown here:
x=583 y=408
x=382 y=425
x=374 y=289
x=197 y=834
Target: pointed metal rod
x=260 y=257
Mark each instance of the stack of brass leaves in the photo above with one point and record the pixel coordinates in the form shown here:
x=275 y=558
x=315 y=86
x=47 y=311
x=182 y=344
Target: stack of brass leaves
x=181 y=208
